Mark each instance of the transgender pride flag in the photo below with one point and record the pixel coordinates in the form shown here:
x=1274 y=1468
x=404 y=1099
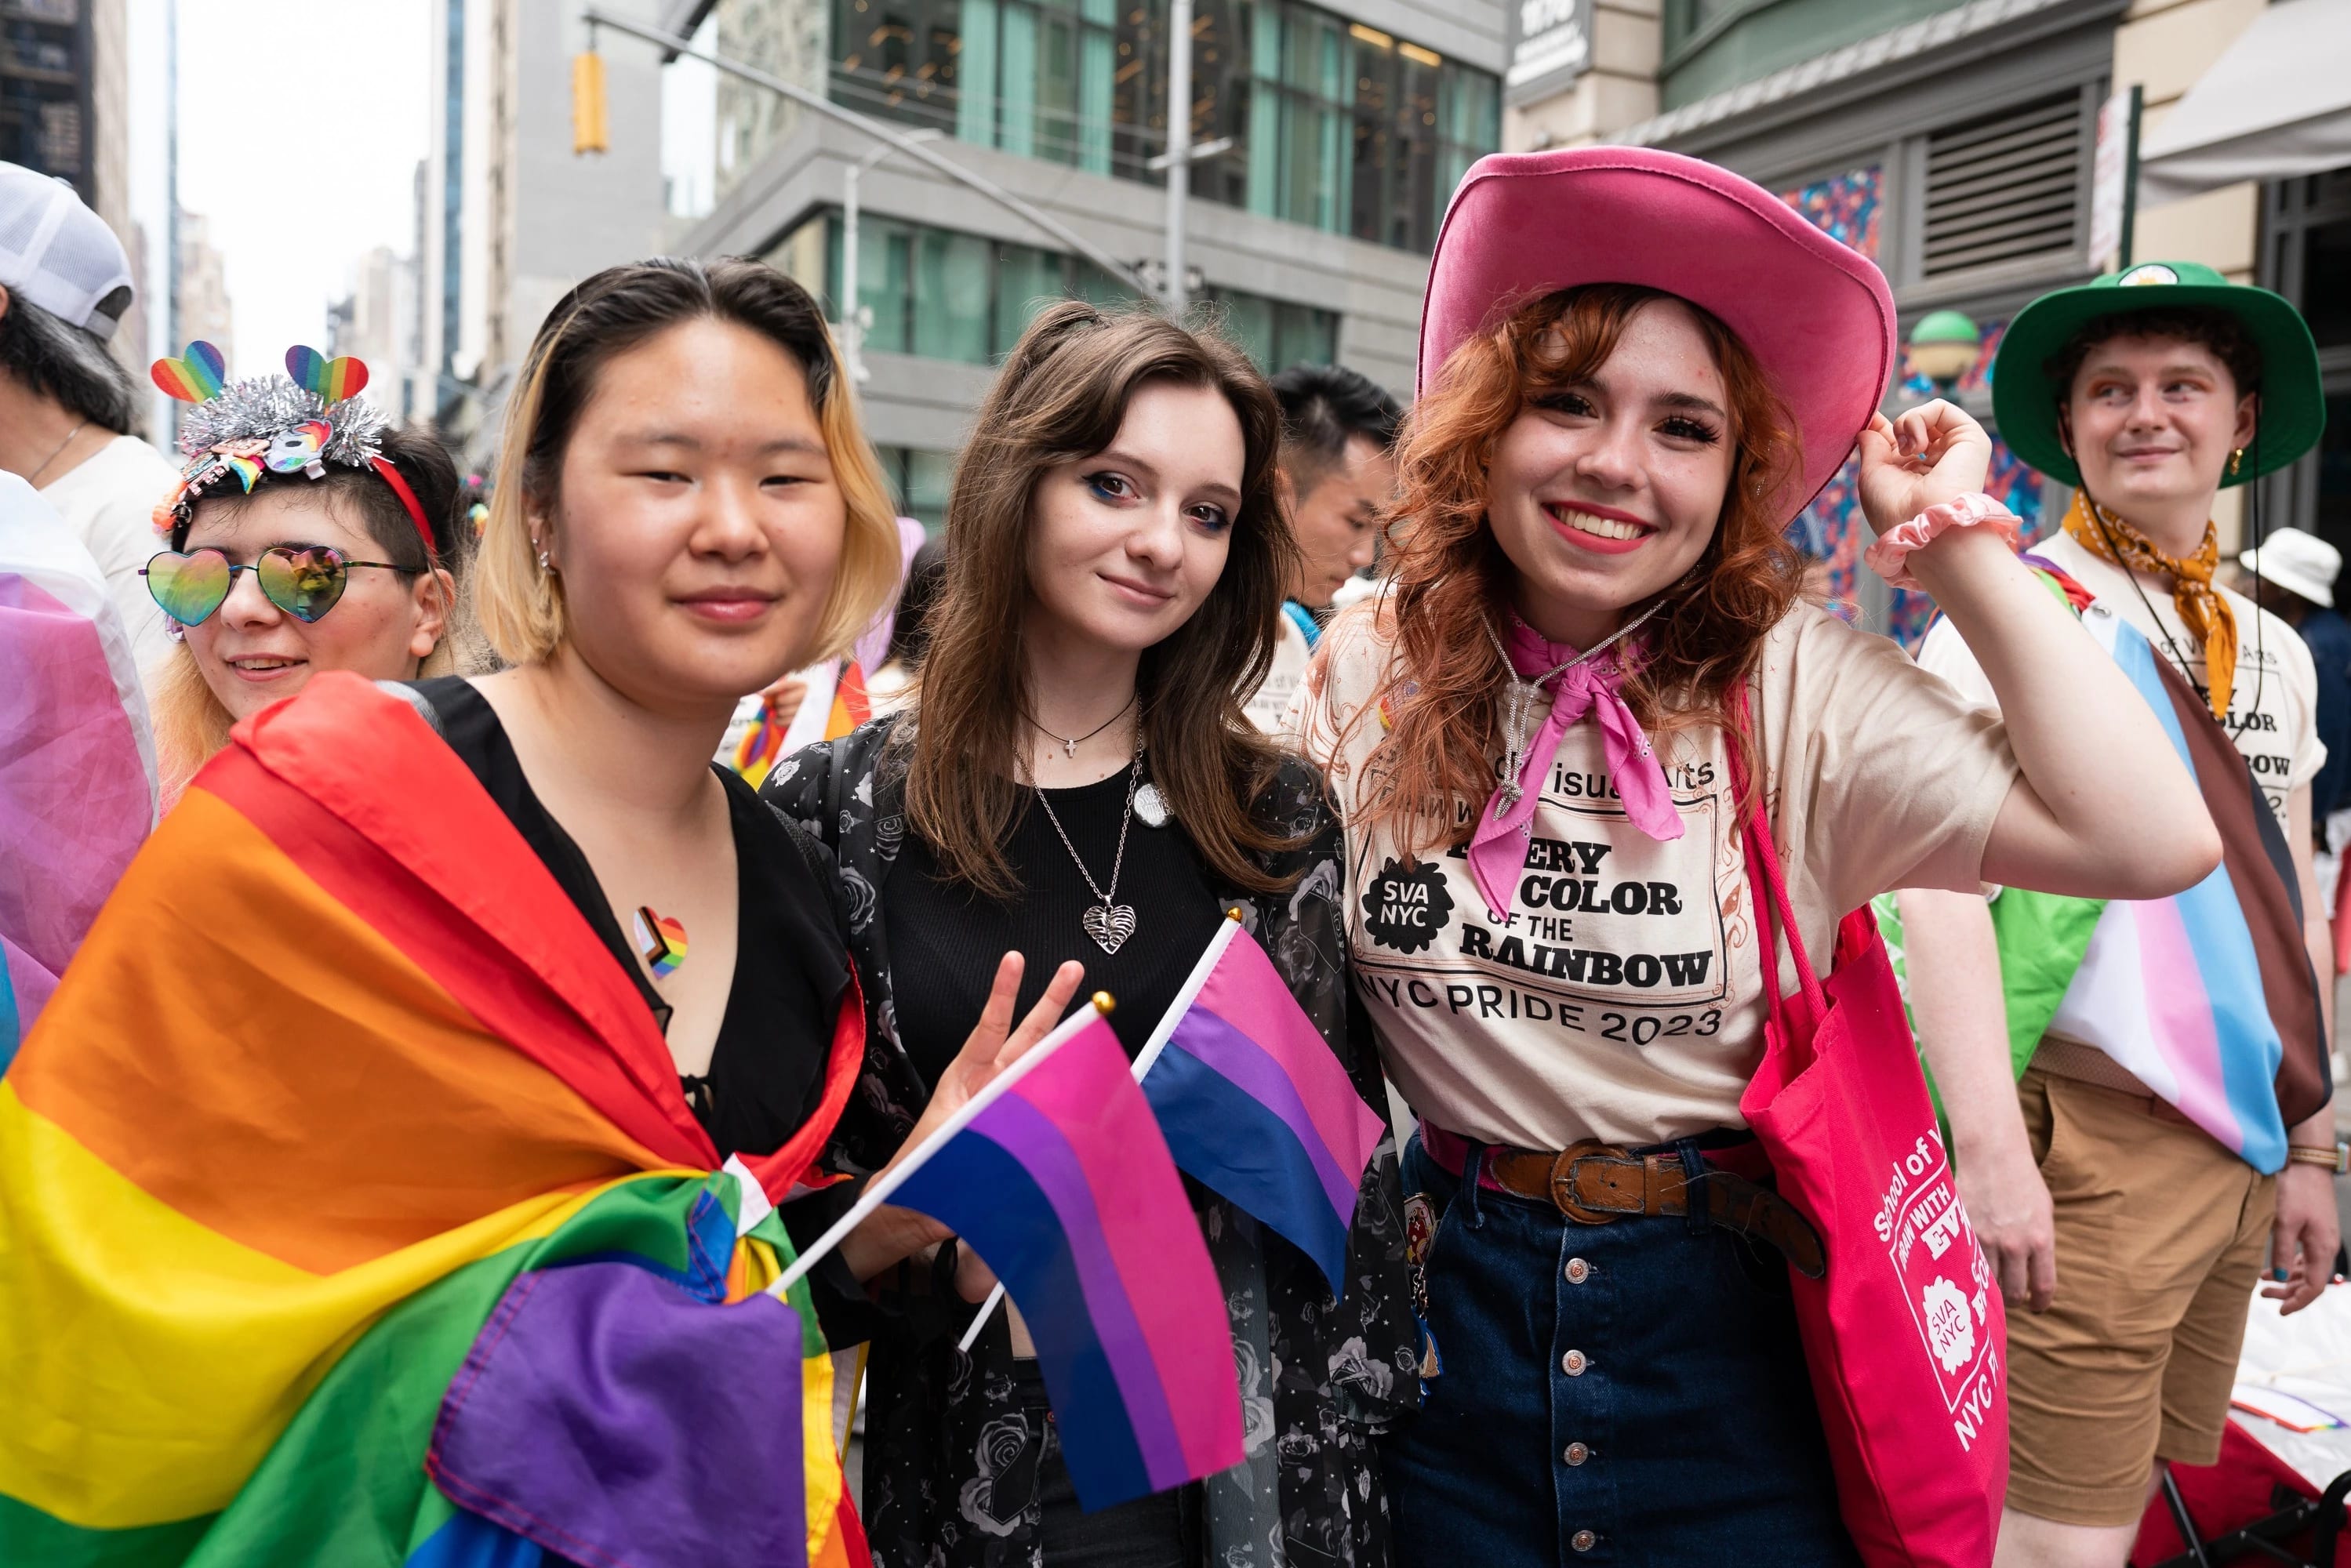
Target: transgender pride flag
x=2172 y=987
x=1254 y=1105
x=1056 y=1174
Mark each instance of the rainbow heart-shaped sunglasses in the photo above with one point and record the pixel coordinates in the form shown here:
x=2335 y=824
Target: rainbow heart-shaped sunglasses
x=304 y=580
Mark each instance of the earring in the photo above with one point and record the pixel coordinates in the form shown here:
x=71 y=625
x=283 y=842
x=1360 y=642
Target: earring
x=2236 y=461
x=544 y=566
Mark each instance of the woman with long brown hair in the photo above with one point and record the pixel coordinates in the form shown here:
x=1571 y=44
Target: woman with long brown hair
x=1637 y=369
x=1075 y=779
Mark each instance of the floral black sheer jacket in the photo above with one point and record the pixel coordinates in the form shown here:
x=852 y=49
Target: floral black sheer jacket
x=950 y=1452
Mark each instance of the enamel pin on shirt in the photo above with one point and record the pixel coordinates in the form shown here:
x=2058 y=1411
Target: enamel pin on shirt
x=661 y=942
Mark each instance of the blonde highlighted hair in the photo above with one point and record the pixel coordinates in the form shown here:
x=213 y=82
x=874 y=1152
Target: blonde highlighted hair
x=520 y=607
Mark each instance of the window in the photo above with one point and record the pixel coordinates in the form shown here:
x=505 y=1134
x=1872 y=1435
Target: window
x=941 y=294
x=921 y=481
x=1278 y=333
x=1340 y=126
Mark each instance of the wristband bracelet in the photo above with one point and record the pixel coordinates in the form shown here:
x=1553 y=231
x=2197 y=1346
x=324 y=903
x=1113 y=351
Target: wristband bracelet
x=1890 y=555
x=2337 y=1158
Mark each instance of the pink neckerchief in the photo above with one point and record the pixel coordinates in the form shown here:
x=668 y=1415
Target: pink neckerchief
x=1499 y=848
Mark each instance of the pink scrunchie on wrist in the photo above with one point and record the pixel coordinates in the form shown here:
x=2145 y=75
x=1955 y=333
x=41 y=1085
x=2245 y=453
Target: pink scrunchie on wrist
x=1890 y=555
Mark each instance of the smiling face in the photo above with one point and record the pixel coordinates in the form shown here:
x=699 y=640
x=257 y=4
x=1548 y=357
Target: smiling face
x=1605 y=491
x=700 y=524
x=1125 y=545
x=1337 y=521
x=2152 y=422
x=251 y=652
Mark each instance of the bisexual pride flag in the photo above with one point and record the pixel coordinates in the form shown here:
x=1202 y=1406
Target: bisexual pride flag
x=1254 y=1105
x=1056 y=1176
x=350 y=1213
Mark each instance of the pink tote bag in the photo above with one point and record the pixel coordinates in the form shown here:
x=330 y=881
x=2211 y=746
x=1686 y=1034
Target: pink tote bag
x=1904 y=1336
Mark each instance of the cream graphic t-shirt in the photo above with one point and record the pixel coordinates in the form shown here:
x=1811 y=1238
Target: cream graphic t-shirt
x=1621 y=997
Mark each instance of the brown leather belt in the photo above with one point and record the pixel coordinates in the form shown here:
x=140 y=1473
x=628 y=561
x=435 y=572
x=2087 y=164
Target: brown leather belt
x=1593 y=1183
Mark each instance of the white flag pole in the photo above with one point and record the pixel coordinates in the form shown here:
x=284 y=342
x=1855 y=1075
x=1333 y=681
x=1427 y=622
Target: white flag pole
x=877 y=1191
x=1149 y=1054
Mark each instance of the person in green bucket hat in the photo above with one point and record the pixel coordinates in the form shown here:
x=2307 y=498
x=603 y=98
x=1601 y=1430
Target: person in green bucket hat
x=2129 y=1190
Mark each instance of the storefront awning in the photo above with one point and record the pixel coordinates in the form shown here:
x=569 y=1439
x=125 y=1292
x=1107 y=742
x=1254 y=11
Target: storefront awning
x=2277 y=105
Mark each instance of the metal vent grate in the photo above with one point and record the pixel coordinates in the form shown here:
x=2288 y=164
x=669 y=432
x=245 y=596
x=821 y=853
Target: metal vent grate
x=2005 y=188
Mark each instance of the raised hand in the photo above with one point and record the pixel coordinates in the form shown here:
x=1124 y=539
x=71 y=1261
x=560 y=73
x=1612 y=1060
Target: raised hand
x=893 y=1233
x=1929 y=455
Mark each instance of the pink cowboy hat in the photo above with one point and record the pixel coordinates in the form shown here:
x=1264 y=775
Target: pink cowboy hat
x=1817 y=315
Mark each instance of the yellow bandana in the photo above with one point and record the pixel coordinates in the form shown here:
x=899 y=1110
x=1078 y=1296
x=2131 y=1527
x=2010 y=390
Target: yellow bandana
x=2202 y=611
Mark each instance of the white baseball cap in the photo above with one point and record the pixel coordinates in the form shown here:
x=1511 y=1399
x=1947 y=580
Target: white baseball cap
x=58 y=254
x=2302 y=564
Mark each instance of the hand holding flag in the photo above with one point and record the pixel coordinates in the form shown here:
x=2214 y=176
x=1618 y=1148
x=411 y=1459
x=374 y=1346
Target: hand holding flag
x=1055 y=1170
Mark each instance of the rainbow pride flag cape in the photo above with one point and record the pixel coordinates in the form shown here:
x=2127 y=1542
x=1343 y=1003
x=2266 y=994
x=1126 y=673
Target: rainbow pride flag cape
x=76 y=762
x=350 y=1213
x=1253 y=1104
x=1057 y=1174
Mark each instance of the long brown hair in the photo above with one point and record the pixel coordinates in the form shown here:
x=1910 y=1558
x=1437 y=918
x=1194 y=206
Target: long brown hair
x=1452 y=580
x=1061 y=396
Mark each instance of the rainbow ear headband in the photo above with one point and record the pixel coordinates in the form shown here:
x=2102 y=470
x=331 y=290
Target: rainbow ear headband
x=298 y=422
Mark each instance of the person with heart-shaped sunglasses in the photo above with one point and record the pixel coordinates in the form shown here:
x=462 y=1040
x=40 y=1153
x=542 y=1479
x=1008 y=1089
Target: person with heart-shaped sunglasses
x=280 y=566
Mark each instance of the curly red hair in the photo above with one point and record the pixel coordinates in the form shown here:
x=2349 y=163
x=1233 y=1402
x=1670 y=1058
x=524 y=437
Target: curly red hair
x=1453 y=582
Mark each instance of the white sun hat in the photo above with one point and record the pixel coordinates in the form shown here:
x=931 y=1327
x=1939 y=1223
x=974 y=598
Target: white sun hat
x=2302 y=564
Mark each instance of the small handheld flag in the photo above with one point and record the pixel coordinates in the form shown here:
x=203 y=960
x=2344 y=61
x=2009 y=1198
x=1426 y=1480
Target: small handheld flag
x=1253 y=1104
x=1057 y=1174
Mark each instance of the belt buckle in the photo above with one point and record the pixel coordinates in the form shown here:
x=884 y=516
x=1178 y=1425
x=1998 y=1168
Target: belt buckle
x=1563 y=1179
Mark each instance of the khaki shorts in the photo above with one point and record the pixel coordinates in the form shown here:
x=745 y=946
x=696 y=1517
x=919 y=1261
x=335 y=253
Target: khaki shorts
x=2161 y=1235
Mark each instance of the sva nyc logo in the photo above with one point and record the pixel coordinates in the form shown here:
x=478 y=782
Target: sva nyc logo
x=1405 y=906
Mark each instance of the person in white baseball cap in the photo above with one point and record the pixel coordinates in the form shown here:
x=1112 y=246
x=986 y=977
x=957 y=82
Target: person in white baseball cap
x=68 y=405
x=2292 y=574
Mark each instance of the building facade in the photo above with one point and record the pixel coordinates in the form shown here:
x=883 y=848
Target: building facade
x=510 y=218
x=1338 y=139
x=1953 y=141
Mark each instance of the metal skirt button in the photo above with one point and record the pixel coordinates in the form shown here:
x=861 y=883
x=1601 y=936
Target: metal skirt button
x=1583 y=1540
x=1574 y=1363
x=1578 y=1271
x=1577 y=1453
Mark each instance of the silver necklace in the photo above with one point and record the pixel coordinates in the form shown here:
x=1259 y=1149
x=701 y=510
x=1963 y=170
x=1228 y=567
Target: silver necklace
x=1109 y=924
x=1070 y=746
x=1519 y=701
x=35 y=475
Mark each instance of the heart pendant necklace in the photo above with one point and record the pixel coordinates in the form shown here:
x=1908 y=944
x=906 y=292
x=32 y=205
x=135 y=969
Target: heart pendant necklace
x=1110 y=924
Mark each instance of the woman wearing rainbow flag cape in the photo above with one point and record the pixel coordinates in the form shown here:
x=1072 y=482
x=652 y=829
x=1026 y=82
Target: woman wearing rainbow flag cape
x=1635 y=369
x=289 y=554
x=1074 y=777
x=2176 y=1141
x=394 y=1176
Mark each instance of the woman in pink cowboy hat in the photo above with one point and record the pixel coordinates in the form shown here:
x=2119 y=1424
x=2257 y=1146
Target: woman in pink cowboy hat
x=1636 y=370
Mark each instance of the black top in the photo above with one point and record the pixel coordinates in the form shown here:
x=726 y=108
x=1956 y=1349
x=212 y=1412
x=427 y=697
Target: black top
x=791 y=964
x=946 y=940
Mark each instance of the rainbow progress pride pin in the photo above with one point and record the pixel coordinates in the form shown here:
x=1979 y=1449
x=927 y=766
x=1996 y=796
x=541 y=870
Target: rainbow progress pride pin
x=661 y=940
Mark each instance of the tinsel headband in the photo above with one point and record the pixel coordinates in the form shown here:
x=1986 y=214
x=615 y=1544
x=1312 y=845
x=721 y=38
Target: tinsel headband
x=298 y=422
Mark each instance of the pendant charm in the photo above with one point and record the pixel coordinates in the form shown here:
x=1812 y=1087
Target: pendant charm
x=1110 y=925
x=1151 y=806
x=1069 y=750
x=660 y=941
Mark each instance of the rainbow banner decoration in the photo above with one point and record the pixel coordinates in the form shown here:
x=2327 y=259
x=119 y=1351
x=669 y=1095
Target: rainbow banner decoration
x=76 y=759
x=328 y=1173
x=1056 y=1174
x=1253 y=1104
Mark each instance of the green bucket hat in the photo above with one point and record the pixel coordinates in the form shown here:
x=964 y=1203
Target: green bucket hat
x=2025 y=402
